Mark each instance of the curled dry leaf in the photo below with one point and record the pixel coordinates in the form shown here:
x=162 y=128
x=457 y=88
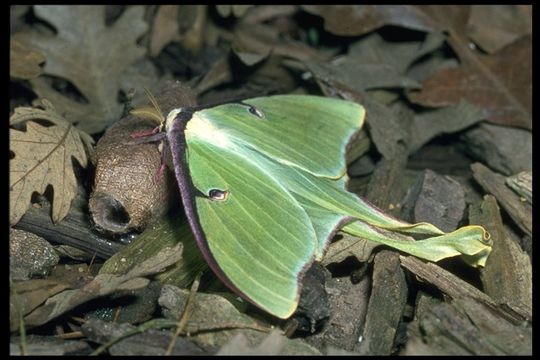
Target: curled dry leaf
x=41 y=156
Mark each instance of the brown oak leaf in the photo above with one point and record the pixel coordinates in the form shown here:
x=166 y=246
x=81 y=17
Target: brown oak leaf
x=89 y=54
x=500 y=84
x=42 y=155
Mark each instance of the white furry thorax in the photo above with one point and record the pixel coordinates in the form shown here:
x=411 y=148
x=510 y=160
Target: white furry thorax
x=170 y=118
x=201 y=128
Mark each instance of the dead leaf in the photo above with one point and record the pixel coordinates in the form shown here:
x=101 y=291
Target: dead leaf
x=219 y=73
x=210 y=311
x=89 y=54
x=265 y=13
x=42 y=156
x=103 y=284
x=185 y=24
x=373 y=63
x=144 y=75
x=502 y=87
x=235 y=10
x=250 y=58
x=274 y=343
x=385 y=126
x=353 y=20
x=261 y=39
x=495 y=26
x=349 y=246
x=215 y=320
x=427 y=125
x=267 y=78
x=437 y=61
x=239 y=345
x=16 y=16
x=450 y=18
x=23 y=62
x=397 y=56
x=500 y=84
x=28 y=295
x=164 y=29
x=192 y=19
x=124 y=339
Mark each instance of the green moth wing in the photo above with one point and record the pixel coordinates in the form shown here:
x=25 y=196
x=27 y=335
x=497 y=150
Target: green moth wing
x=257 y=233
x=329 y=205
x=251 y=229
x=307 y=132
x=263 y=186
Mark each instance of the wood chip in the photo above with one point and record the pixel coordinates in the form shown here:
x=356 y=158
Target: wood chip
x=519 y=211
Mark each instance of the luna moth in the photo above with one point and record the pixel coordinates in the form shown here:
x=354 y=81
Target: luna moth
x=263 y=182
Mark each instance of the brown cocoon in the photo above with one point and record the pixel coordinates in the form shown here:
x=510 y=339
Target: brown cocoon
x=128 y=192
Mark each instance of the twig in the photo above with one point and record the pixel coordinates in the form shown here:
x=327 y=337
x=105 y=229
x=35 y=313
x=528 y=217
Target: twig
x=71 y=335
x=186 y=314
